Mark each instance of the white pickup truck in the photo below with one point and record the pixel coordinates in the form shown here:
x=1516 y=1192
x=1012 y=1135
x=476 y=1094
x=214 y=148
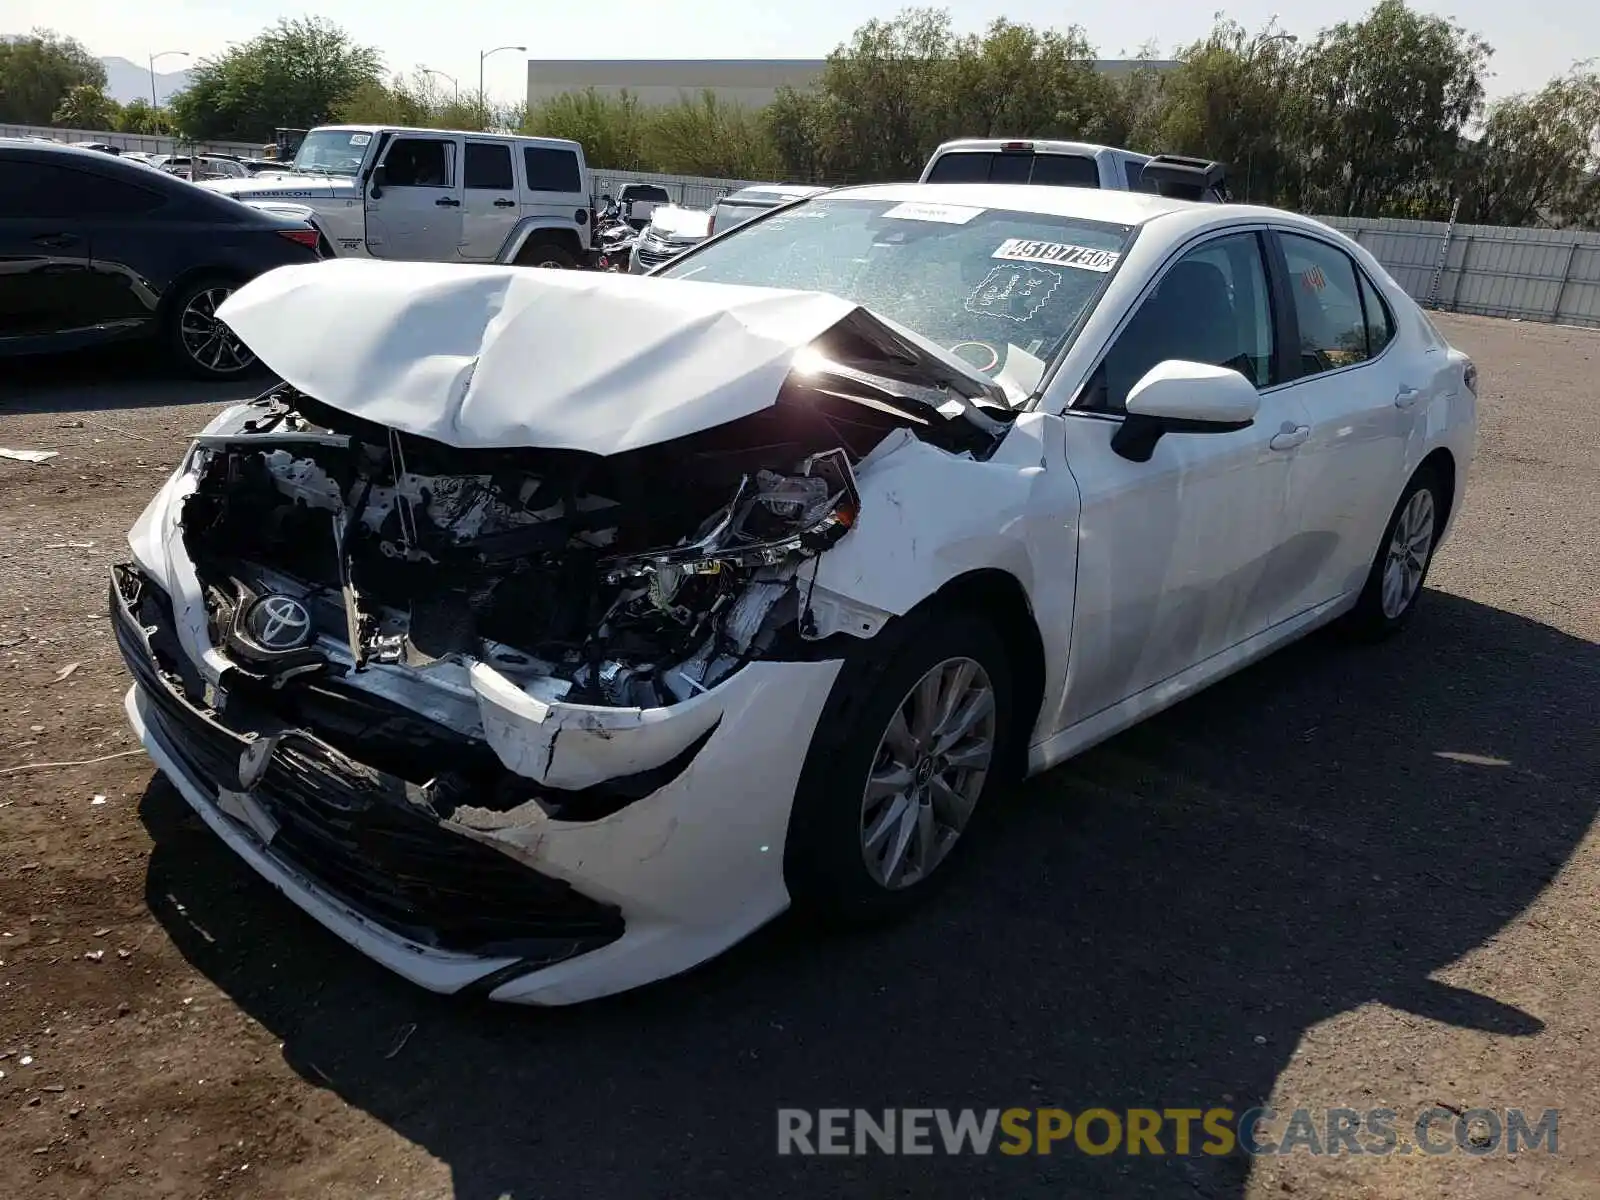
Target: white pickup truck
x=1074 y=164
x=434 y=195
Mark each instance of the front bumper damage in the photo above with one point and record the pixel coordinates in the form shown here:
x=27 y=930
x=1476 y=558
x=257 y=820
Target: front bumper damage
x=515 y=904
x=537 y=726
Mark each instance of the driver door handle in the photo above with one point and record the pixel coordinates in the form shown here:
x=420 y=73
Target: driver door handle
x=1289 y=438
x=1406 y=397
x=448 y=202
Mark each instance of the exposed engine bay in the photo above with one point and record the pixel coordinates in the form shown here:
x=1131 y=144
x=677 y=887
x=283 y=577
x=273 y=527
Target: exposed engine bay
x=634 y=580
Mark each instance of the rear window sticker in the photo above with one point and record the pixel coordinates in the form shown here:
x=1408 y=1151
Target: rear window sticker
x=1058 y=254
x=947 y=214
x=1013 y=293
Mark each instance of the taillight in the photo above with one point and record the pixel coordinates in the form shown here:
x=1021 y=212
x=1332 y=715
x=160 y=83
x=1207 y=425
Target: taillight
x=304 y=237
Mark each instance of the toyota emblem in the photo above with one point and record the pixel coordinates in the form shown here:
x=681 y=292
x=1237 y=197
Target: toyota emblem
x=278 y=623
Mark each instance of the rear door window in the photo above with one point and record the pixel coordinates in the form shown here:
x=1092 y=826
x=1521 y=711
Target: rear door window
x=29 y=189
x=488 y=167
x=551 y=170
x=1327 y=301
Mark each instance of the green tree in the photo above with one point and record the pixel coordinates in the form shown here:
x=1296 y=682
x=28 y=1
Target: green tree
x=38 y=72
x=613 y=129
x=87 y=107
x=707 y=136
x=1537 y=160
x=297 y=73
x=1229 y=99
x=137 y=116
x=1383 y=107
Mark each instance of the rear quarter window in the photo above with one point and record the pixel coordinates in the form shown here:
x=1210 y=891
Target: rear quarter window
x=551 y=170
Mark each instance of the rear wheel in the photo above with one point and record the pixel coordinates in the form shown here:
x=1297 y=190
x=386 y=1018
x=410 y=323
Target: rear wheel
x=1400 y=567
x=906 y=750
x=199 y=343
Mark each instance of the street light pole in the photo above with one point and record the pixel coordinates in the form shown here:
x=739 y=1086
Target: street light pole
x=484 y=54
x=451 y=78
x=154 y=102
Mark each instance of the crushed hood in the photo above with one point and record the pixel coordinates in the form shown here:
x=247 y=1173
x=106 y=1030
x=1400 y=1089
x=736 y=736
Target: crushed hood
x=499 y=357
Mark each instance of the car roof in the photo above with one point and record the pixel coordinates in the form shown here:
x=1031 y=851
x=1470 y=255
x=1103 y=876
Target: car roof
x=1087 y=204
x=505 y=137
x=1038 y=146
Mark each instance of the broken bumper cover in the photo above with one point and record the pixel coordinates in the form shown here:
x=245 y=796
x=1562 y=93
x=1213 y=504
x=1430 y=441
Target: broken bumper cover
x=510 y=903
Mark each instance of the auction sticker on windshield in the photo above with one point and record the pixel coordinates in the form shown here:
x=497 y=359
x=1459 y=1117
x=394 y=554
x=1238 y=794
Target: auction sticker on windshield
x=948 y=214
x=360 y=139
x=1057 y=254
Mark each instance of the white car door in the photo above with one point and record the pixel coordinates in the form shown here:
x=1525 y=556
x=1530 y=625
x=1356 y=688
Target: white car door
x=1361 y=389
x=1179 y=556
x=414 y=206
x=489 y=205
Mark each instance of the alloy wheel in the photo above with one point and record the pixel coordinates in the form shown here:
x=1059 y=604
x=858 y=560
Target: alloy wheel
x=928 y=773
x=1409 y=548
x=207 y=341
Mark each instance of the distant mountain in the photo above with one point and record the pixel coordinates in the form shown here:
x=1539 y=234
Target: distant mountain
x=127 y=81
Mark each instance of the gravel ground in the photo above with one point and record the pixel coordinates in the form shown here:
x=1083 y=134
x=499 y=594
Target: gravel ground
x=1343 y=878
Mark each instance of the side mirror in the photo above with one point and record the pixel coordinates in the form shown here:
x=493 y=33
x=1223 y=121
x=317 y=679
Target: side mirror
x=1183 y=397
x=380 y=177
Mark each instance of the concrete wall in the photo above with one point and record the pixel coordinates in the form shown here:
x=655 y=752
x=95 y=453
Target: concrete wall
x=146 y=143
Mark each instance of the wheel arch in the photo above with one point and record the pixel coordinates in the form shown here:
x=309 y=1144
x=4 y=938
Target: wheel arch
x=999 y=597
x=541 y=229
x=1442 y=463
x=182 y=282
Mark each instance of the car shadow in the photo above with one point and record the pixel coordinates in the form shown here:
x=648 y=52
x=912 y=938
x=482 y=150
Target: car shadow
x=109 y=378
x=1154 y=924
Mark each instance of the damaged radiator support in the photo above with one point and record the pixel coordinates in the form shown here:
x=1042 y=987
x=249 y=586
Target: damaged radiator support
x=593 y=580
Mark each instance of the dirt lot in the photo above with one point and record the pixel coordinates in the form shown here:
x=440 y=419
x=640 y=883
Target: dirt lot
x=1343 y=878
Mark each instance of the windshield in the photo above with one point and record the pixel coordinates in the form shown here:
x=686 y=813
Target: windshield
x=332 y=152
x=976 y=281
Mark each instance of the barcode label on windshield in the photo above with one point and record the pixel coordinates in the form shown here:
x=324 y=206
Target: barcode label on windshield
x=1057 y=254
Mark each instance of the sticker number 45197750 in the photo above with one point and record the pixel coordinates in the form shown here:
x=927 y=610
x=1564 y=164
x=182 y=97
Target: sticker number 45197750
x=1057 y=254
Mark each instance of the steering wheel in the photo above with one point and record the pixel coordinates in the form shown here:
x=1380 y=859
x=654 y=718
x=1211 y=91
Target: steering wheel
x=962 y=350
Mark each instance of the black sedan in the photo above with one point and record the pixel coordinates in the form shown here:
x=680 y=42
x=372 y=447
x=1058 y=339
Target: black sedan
x=95 y=249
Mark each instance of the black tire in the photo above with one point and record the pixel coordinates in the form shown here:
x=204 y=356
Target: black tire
x=1369 y=621
x=825 y=864
x=547 y=254
x=221 y=356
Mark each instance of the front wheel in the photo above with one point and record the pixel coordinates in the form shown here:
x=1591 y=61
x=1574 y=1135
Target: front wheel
x=1394 y=583
x=905 y=752
x=198 y=342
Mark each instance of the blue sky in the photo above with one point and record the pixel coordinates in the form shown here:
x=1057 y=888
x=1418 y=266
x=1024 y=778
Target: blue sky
x=1533 y=40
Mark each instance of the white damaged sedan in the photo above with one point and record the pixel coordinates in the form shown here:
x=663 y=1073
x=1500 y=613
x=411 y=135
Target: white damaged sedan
x=545 y=633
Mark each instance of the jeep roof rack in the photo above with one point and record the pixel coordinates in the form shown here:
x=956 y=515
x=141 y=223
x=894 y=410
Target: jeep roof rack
x=1181 y=178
